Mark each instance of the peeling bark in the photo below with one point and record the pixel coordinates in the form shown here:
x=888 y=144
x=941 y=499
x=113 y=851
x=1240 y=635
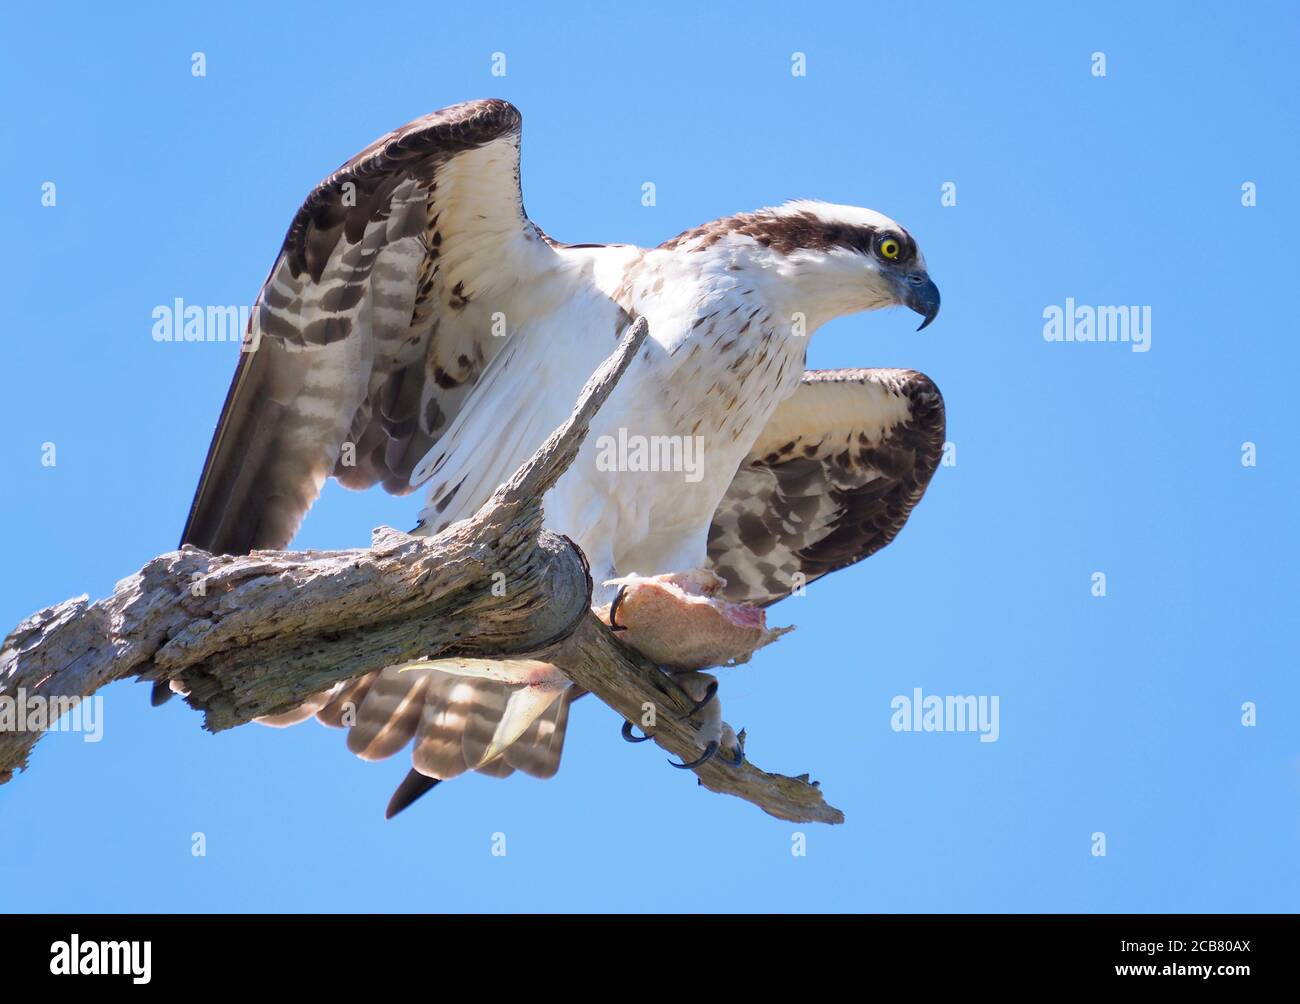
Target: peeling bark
x=257 y=634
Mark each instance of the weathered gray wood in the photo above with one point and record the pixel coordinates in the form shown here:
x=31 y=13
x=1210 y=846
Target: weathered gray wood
x=587 y=657
x=257 y=634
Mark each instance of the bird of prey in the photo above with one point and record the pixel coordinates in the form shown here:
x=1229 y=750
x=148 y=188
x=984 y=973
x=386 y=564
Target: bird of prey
x=417 y=330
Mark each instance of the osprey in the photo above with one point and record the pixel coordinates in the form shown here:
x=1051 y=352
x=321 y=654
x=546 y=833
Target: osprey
x=418 y=330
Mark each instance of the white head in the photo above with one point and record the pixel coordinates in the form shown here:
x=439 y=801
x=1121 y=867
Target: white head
x=832 y=260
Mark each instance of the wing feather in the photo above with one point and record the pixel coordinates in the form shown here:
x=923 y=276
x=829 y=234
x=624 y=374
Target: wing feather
x=367 y=342
x=831 y=480
x=367 y=336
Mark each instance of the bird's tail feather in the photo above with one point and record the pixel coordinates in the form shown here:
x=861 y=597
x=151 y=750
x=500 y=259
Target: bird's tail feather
x=486 y=715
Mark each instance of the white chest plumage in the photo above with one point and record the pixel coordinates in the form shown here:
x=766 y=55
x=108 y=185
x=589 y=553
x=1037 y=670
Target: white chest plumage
x=662 y=452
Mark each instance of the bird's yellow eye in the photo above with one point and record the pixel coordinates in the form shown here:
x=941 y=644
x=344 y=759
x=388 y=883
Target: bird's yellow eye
x=890 y=249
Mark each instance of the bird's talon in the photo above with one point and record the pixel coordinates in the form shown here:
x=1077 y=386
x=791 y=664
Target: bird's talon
x=710 y=692
x=613 y=609
x=628 y=737
x=705 y=757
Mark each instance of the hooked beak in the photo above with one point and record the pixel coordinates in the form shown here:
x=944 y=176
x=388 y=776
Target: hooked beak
x=922 y=295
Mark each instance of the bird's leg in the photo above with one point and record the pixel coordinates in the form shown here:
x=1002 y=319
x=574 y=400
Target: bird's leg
x=678 y=620
x=710 y=692
x=716 y=735
x=702 y=689
x=720 y=738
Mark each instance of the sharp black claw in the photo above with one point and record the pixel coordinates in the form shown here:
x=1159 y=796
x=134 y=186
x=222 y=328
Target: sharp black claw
x=161 y=692
x=628 y=737
x=614 y=625
x=709 y=694
x=740 y=750
x=705 y=757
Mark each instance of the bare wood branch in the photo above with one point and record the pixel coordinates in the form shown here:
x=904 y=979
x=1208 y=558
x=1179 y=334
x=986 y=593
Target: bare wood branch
x=257 y=634
x=587 y=656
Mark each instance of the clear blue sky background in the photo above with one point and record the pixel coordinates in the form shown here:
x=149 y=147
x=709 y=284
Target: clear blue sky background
x=1119 y=714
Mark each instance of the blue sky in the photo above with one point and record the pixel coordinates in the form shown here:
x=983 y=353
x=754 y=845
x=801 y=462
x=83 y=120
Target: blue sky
x=1119 y=714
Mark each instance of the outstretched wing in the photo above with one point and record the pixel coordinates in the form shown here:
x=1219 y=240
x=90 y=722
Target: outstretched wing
x=365 y=343
x=831 y=480
x=373 y=325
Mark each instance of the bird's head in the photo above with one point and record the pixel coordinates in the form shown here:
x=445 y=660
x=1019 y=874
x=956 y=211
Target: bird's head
x=842 y=259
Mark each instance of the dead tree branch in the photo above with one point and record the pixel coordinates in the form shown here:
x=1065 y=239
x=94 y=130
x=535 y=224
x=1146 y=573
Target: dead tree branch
x=257 y=634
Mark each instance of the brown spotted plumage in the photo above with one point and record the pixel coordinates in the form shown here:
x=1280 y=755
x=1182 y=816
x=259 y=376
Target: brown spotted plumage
x=830 y=481
x=418 y=329
x=348 y=346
